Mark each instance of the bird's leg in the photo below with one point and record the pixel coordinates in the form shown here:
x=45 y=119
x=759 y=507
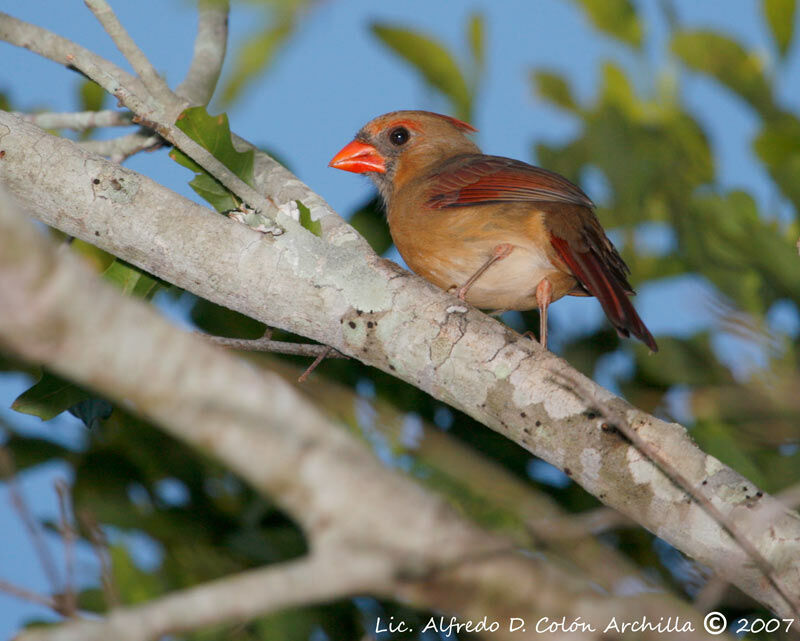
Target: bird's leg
x=544 y=296
x=498 y=253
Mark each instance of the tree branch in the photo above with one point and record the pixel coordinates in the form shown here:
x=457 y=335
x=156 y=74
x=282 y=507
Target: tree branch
x=79 y=120
x=210 y=46
x=118 y=149
x=154 y=83
x=370 y=309
x=266 y=344
x=619 y=422
x=542 y=523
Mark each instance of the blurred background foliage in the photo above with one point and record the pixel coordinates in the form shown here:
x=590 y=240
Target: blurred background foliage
x=648 y=162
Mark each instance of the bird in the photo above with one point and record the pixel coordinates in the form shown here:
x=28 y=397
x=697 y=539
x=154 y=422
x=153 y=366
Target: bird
x=499 y=233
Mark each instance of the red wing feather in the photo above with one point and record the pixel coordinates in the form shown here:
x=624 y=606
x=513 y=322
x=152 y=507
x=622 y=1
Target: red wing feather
x=474 y=178
x=593 y=275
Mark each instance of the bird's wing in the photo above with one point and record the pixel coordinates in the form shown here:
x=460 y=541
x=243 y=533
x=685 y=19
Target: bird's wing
x=474 y=179
x=575 y=233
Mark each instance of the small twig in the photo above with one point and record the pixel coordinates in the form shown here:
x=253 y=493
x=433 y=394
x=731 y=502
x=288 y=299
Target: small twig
x=118 y=149
x=619 y=421
x=209 y=52
x=70 y=599
x=153 y=82
x=79 y=120
x=28 y=595
x=100 y=547
x=30 y=523
x=266 y=344
x=304 y=376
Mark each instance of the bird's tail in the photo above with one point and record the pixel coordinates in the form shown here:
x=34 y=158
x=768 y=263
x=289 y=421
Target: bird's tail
x=606 y=287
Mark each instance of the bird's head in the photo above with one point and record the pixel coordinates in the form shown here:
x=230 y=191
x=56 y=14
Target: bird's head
x=399 y=146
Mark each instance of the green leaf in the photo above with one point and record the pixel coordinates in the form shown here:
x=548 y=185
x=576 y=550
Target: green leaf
x=214 y=134
x=432 y=60
x=778 y=146
x=133 y=585
x=29 y=452
x=780 y=18
x=92 y=96
x=214 y=192
x=99 y=259
x=92 y=411
x=616 y=17
x=254 y=57
x=314 y=226
x=720 y=441
x=476 y=36
x=749 y=259
x=617 y=88
x=727 y=61
x=130 y=279
x=50 y=396
x=554 y=89
x=103 y=479
x=690 y=361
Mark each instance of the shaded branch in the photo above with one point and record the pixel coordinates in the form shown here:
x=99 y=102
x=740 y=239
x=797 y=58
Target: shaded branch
x=314 y=579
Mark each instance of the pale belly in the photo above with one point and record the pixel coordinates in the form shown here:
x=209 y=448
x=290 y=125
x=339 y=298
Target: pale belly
x=509 y=283
x=448 y=246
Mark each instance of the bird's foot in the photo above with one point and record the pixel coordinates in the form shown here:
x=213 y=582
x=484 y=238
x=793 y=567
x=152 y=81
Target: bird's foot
x=501 y=251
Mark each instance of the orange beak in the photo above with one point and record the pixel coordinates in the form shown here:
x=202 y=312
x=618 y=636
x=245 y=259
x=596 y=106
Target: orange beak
x=359 y=157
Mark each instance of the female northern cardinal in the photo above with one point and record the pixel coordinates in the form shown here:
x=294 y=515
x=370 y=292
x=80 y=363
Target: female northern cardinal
x=503 y=234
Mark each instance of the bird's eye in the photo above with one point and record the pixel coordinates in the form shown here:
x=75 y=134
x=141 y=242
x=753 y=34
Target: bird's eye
x=399 y=136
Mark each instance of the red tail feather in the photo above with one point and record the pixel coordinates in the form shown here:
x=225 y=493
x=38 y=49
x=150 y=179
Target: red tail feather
x=592 y=274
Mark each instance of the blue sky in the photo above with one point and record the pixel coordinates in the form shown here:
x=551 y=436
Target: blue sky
x=332 y=78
